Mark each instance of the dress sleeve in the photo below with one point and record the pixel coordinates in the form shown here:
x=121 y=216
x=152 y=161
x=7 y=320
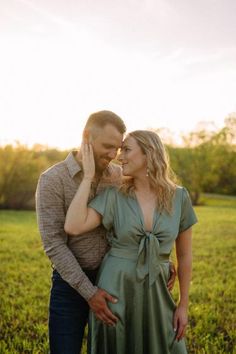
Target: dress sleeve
x=104 y=204
x=188 y=216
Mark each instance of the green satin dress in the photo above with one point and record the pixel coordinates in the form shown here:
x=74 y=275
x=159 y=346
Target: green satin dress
x=135 y=271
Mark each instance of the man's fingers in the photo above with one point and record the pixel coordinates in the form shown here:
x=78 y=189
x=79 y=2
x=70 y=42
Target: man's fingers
x=107 y=318
x=172 y=268
x=111 y=298
x=170 y=283
x=171 y=280
x=110 y=316
x=98 y=304
x=105 y=315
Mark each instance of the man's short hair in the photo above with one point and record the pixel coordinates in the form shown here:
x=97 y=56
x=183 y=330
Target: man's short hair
x=101 y=118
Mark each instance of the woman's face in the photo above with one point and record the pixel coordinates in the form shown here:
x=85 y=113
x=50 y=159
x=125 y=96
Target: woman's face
x=133 y=160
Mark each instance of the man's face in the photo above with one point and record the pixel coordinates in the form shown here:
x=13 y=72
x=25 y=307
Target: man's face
x=106 y=143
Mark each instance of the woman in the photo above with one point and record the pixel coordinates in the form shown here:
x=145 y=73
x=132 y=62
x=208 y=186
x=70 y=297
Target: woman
x=147 y=215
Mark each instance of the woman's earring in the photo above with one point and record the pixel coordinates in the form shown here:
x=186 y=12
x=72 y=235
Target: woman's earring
x=147 y=173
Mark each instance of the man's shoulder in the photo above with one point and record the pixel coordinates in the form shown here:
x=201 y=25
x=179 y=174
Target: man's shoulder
x=55 y=170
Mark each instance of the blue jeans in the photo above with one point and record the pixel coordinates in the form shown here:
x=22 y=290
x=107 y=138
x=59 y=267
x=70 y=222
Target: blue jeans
x=68 y=316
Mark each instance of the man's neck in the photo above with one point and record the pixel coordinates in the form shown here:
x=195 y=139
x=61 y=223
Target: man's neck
x=98 y=175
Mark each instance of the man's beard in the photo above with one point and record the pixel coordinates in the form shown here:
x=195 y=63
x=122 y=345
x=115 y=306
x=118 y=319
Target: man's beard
x=99 y=166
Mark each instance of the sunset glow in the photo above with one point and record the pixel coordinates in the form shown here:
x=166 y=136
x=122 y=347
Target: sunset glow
x=155 y=63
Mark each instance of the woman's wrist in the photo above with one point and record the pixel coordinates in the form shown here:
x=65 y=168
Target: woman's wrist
x=183 y=304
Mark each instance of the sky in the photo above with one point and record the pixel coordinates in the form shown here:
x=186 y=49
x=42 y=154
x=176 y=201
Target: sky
x=156 y=63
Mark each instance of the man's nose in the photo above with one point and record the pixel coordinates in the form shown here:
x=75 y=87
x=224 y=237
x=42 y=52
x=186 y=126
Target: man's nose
x=112 y=154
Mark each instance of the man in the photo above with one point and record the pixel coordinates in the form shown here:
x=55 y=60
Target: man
x=76 y=260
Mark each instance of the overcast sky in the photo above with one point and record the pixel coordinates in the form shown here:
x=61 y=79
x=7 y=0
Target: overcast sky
x=156 y=63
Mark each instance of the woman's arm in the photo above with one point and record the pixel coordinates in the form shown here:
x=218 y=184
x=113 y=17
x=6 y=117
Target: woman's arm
x=184 y=271
x=80 y=218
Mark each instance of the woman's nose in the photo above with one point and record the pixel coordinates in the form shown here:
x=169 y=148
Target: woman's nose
x=120 y=156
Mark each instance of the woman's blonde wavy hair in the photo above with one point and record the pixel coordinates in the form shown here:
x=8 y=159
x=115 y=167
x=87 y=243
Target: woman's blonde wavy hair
x=161 y=177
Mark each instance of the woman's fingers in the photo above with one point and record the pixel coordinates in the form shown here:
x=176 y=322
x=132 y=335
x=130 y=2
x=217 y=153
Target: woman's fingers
x=180 y=322
x=88 y=160
x=181 y=331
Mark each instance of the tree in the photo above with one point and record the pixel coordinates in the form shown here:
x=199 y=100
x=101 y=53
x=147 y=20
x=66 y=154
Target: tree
x=20 y=169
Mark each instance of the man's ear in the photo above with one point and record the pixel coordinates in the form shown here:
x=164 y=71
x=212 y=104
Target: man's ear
x=86 y=136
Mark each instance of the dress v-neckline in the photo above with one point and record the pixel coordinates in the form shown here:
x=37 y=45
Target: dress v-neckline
x=142 y=216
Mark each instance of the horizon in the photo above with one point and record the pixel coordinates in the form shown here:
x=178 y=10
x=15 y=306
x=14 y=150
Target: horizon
x=167 y=136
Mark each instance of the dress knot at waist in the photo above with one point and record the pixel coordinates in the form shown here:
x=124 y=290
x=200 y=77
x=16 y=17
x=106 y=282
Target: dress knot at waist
x=147 y=255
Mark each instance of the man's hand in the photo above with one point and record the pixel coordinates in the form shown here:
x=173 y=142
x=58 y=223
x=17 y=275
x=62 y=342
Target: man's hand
x=98 y=304
x=171 y=280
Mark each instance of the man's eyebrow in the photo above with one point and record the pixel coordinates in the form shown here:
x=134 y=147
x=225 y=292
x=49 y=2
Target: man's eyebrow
x=109 y=145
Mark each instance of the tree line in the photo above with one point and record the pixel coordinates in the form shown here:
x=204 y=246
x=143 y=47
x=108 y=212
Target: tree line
x=205 y=163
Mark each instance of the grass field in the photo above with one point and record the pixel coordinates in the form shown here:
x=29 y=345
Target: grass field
x=25 y=282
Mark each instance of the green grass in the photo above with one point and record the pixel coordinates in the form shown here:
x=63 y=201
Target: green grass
x=213 y=288
x=25 y=282
x=218 y=200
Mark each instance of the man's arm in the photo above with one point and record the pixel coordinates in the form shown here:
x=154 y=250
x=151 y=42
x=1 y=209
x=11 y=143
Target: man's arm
x=50 y=207
x=51 y=210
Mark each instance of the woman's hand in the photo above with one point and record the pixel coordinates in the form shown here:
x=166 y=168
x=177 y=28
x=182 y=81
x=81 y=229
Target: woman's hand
x=88 y=160
x=180 y=321
x=80 y=218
